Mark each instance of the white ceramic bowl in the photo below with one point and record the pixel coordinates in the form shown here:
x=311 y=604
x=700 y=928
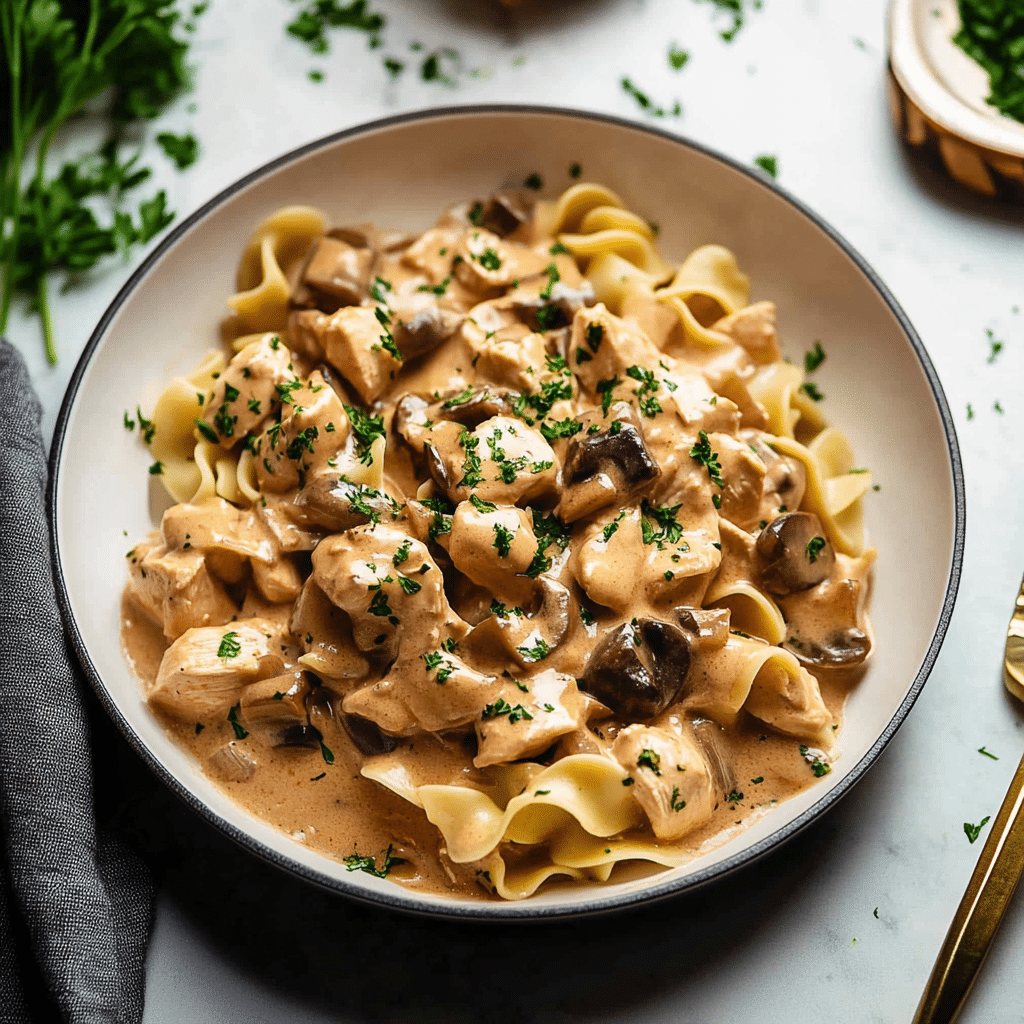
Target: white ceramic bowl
x=881 y=388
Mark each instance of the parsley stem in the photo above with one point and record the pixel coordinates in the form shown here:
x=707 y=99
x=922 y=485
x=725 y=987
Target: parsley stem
x=43 y=303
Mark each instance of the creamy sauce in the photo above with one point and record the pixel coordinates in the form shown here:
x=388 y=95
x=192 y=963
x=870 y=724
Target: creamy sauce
x=596 y=497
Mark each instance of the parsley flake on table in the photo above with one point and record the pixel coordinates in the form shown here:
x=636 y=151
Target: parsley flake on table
x=986 y=753
x=647 y=104
x=768 y=163
x=182 y=149
x=677 y=57
x=995 y=347
x=973 y=831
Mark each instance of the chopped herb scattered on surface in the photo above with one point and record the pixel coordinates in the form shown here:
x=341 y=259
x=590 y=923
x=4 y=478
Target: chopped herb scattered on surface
x=768 y=163
x=973 y=831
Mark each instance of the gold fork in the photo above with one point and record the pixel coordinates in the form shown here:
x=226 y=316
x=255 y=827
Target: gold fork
x=994 y=880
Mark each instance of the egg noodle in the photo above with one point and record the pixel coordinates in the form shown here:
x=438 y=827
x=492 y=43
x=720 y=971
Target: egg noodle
x=501 y=553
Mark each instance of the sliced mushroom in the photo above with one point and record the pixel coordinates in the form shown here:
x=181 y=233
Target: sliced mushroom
x=332 y=501
x=367 y=737
x=826 y=627
x=420 y=326
x=795 y=552
x=638 y=670
x=607 y=466
x=479 y=406
x=507 y=211
x=785 y=478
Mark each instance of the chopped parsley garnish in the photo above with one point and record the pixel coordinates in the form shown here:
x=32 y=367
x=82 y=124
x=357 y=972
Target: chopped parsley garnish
x=402 y=554
x=502 y=707
x=554 y=429
x=497 y=608
x=409 y=586
x=476 y=212
x=818 y=766
x=550 y=317
x=628 y=780
x=813 y=548
x=734 y=797
x=254 y=406
x=758 y=780
x=129 y=424
x=595 y=335
x=503 y=538
x=302 y=442
x=670 y=530
x=489 y=259
x=471 y=476
x=984 y=752
x=366 y=429
x=538 y=652
x=586 y=616
x=541 y=792
x=534 y=181
x=812 y=391
x=207 y=431
x=326 y=753
x=649 y=405
x=560 y=248
x=482 y=506
x=156 y=469
x=647 y=104
x=610 y=529
x=768 y=163
x=441 y=520
x=674 y=801
x=995 y=347
x=814 y=358
x=182 y=149
x=701 y=452
x=605 y=389
x=973 y=831
x=649 y=759
x=230 y=647
x=677 y=58
x=240 y=732
x=992 y=33
x=575 y=170
x=553 y=278
x=466 y=395
x=393 y=67
x=354 y=862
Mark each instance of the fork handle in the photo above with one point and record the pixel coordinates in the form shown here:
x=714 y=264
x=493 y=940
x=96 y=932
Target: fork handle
x=977 y=918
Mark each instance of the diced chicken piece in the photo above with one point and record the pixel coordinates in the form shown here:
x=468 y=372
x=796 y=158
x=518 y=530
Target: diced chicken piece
x=486 y=263
x=217 y=525
x=517 y=724
x=176 y=590
x=753 y=327
x=605 y=559
x=672 y=781
x=612 y=344
x=246 y=392
x=679 y=571
x=743 y=473
x=420 y=321
x=338 y=270
x=357 y=342
x=203 y=672
x=389 y=585
x=325 y=633
x=516 y=361
x=275 y=710
x=314 y=428
x=278 y=582
x=494 y=547
x=433 y=251
x=433 y=692
x=501 y=460
x=304 y=329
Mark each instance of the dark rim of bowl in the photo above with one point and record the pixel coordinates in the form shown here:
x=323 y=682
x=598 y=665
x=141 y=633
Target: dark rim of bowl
x=469 y=910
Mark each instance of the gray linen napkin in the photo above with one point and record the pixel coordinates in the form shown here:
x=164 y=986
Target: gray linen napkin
x=75 y=902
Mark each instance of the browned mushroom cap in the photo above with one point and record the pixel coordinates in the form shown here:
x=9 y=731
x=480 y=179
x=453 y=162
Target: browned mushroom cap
x=795 y=552
x=785 y=478
x=333 y=502
x=471 y=411
x=554 y=311
x=507 y=210
x=366 y=736
x=826 y=626
x=638 y=670
x=420 y=330
x=619 y=451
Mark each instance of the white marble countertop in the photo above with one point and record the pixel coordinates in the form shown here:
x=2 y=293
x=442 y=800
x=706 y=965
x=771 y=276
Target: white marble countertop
x=844 y=922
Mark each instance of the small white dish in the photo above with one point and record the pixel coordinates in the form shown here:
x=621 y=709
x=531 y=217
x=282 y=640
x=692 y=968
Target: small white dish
x=881 y=390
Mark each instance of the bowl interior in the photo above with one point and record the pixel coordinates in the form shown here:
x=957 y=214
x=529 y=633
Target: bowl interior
x=880 y=390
